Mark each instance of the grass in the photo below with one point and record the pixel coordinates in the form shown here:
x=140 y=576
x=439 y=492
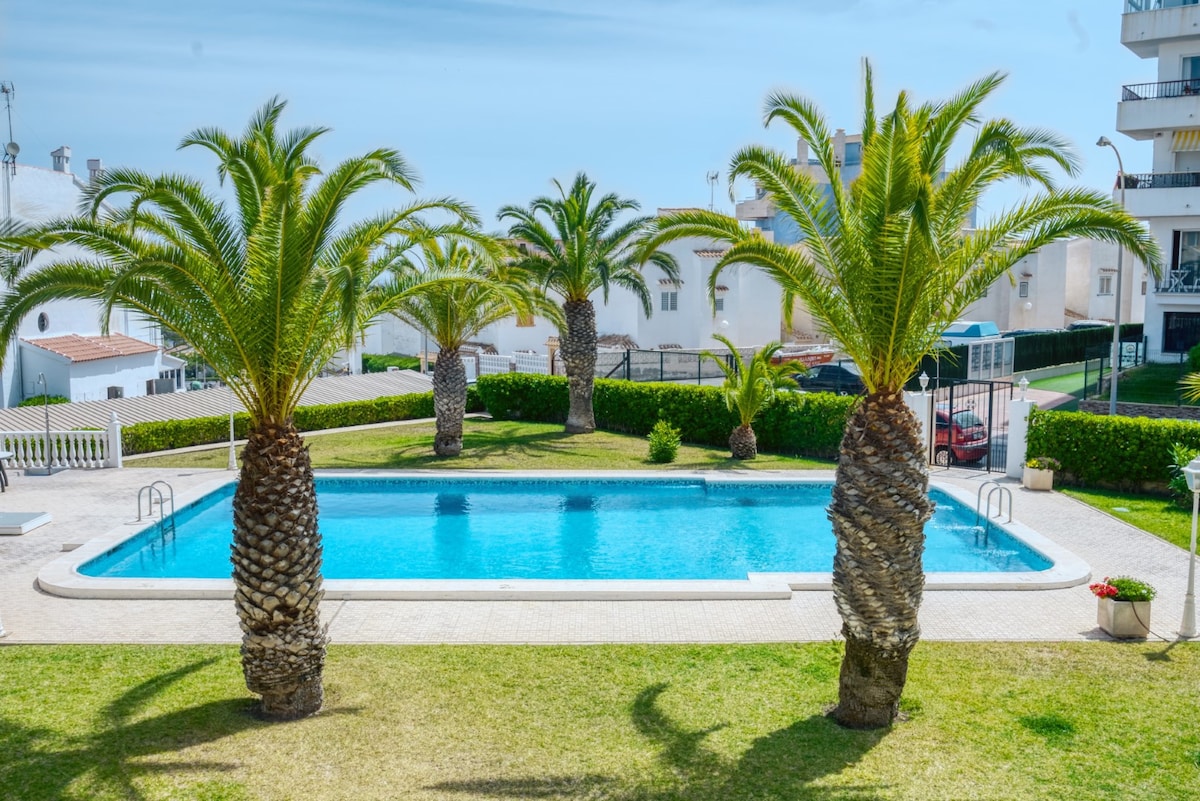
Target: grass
x=1161 y=517
x=1148 y=383
x=495 y=445
x=636 y=722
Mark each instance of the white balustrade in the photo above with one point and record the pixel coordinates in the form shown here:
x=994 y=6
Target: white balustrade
x=88 y=449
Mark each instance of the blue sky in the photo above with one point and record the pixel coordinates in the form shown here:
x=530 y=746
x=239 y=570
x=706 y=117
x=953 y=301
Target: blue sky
x=490 y=99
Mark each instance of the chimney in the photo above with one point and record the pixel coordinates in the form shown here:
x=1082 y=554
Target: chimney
x=95 y=170
x=62 y=159
x=839 y=146
x=801 y=153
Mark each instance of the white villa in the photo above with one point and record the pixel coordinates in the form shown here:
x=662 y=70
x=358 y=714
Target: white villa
x=1167 y=114
x=58 y=349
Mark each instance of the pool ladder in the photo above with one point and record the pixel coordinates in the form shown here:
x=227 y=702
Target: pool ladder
x=984 y=507
x=154 y=492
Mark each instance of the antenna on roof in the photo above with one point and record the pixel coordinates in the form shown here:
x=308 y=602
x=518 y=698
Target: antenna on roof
x=712 y=188
x=11 y=149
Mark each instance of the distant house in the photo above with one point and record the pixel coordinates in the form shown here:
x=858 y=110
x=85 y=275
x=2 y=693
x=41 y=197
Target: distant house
x=36 y=194
x=85 y=368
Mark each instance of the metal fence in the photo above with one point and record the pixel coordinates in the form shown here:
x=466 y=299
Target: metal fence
x=663 y=365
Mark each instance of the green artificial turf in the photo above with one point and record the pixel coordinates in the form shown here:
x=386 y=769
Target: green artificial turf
x=637 y=722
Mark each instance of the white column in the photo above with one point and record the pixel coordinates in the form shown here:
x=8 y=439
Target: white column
x=1018 y=434
x=921 y=404
x=114 y=441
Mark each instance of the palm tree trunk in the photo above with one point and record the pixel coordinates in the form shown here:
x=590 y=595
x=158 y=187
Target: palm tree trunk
x=449 y=402
x=879 y=509
x=743 y=444
x=579 y=359
x=277 y=572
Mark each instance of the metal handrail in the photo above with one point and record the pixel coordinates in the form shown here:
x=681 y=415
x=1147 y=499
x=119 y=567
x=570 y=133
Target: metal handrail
x=1162 y=180
x=1159 y=90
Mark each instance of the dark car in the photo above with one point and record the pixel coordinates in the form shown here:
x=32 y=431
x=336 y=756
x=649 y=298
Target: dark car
x=960 y=437
x=840 y=379
x=1028 y=332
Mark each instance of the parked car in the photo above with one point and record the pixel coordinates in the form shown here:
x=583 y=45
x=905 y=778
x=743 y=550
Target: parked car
x=840 y=379
x=960 y=437
x=1080 y=324
x=1026 y=332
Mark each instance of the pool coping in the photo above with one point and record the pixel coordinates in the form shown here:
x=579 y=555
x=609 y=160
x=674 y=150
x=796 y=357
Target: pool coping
x=61 y=577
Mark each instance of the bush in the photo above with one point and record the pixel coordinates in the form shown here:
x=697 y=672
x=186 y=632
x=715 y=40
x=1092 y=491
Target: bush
x=40 y=400
x=170 y=434
x=376 y=363
x=1181 y=455
x=809 y=424
x=664 y=442
x=1121 y=452
x=1123 y=588
x=1194 y=359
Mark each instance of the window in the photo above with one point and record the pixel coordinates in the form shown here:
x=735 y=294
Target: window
x=1181 y=330
x=1143 y=286
x=670 y=301
x=1106 y=285
x=1023 y=289
x=719 y=304
x=524 y=321
x=1185 y=253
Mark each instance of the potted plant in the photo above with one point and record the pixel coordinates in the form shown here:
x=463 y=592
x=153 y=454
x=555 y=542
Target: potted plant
x=1039 y=473
x=1124 y=606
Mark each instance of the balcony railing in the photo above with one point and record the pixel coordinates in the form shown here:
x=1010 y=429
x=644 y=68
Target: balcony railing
x=1162 y=180
x=1186 y=281
x=1134 y=6
x=1188 y=87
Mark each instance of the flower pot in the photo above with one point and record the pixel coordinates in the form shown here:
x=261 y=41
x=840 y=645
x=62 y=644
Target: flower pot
x=1124 y=620
x=1036 y=479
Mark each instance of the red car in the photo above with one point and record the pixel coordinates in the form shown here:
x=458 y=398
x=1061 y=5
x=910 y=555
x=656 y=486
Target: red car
x=960 y=437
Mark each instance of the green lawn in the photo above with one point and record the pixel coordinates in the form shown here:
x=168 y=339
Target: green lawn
x=646 y=723
x=496 y=445
x=1148 y=383
x=1162 y=517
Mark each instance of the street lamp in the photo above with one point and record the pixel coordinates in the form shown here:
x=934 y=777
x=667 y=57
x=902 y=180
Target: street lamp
x=1187 y=629
x=1116 y=347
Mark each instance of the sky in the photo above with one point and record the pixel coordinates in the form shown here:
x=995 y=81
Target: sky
x=489 y=100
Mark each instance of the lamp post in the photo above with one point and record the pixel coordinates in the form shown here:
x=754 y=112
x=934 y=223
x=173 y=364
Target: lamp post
x=1116 y=347
x=1187 y=629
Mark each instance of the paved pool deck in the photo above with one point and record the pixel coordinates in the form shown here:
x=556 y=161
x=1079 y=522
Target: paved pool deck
x=85 y=504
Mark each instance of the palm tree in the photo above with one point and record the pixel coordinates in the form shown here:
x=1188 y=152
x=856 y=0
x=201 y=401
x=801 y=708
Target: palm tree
x=749 y=387
x=585 y=249
x=453 y=313
x=886 y=264
x=265 y=290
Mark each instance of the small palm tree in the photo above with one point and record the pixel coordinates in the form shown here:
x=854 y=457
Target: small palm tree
x=474 y=289
x=266 y=291
x=584 y=249
x=750 y=387
x=887 y=263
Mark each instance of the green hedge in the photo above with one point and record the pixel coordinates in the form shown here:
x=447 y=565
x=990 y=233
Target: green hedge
x=1097 y=450
x=808 y=424
x=377 y=363
x=170 y=434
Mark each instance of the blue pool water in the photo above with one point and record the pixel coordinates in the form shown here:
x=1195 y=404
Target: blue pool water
x=407 y=528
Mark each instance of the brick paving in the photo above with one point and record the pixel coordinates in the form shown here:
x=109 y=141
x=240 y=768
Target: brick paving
x=88 y=503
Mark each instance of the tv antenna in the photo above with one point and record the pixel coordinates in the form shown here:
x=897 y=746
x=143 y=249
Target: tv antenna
x=11 y=149
x=712 y=188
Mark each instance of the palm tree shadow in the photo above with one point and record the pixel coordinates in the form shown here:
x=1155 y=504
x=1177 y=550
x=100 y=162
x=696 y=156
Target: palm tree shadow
x=785 y=764
x=39 y=765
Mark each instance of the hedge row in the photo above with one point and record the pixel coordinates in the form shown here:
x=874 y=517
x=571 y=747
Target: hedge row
x=1097 y=450
x=794 y=423
x=170 y=434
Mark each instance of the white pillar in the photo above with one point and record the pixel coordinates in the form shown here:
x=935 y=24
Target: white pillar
x=921 y=404
x=114 y=441
x=1018 y=434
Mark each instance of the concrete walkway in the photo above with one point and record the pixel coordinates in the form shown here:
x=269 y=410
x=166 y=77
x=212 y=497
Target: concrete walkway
x=88 y=503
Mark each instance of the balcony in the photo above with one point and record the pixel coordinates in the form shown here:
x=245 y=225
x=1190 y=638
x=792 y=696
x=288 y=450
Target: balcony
x=1184 y=281
x=755 y=209
x=1162 y=194
x=1147 y=108
x=1149 y=24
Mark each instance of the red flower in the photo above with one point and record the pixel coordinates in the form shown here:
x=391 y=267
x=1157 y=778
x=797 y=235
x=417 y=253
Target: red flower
x=1102 y=589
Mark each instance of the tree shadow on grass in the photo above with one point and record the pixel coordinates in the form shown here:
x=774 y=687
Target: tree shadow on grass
x=477 y=446
x=785 y=764
x=40 y=764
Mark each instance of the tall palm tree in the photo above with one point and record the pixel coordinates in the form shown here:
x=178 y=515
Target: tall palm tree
x=749 y=387
x=265 y=290
x=886 y=264
x=452 y=313
x=580 y=249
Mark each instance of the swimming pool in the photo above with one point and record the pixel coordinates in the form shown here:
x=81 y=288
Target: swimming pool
x=466 y=536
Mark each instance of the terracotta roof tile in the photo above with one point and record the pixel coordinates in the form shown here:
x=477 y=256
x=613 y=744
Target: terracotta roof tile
x=709 y=253
x=79 y=348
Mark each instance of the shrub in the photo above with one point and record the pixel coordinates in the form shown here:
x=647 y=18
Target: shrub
x=664 y=442
x=809 y=424
x=1044 y=463
x=41 y=400
x=1123 y=588
x=1180 y=456
x=376 y=363
x=165 y=435
x=1194 y=358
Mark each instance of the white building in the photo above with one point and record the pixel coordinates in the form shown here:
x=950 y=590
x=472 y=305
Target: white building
x=36 y=194
x=1167 y=114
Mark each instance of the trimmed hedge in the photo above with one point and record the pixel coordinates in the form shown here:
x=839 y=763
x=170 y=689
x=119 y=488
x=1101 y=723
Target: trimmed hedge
x=1121 y=452
x=805 y=424
x=377 y=363
x=165 y=435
